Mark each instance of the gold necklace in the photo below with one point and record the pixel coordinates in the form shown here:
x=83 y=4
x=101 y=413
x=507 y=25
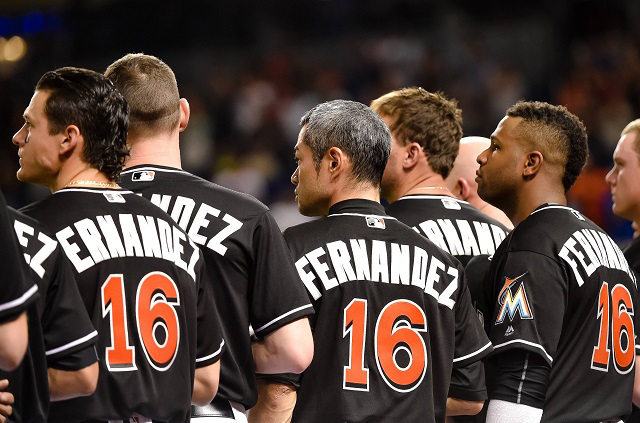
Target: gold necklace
x=94 y=184
x=442 y=188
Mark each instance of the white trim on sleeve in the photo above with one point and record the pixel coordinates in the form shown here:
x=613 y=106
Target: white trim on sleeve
x=205 y=358
x=522 y=341
x=20 y=300
x=464 y=357
x=282 y=317
x=72 y=344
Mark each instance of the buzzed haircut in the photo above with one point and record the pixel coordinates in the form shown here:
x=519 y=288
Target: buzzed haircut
x=633 y=126
x=557 y=132
x=430 y=119
x=355 y=129
x=150 y=87
x=88 y=100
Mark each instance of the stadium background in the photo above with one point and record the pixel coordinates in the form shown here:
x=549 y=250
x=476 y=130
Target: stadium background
x=251 y=68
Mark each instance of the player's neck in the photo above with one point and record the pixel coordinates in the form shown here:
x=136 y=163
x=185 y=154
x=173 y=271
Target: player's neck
x=80 y=176
x=490 y=211
x=154 y=151
x=427 y=183
x=533 y=196
x=353 y=192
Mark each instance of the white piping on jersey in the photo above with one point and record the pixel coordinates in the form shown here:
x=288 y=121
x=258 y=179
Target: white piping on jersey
x=464 y=357
x=282 y=317
x=362 y=215
x=522 y=341
x=20 y=300
x=552 y=207
x=431 y=197
x=198 y=360
x=72 y=343
x=102 y=191
x=157 y=169
x=524 y=374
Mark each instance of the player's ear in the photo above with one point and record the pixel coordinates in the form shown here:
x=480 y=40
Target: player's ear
x=413 y=152
x=185 y=112
x=462 y=190
x=69 y=139
x=533 y=164
x=336 y=161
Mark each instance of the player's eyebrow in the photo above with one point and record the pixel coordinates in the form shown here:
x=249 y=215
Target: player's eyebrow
x=494 y=138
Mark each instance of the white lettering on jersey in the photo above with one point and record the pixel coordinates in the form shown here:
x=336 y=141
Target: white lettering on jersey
x=48 y=246
x=586 y=250
x=458 y=238
x=182 y=211
x=390 y=263
x=151 y=237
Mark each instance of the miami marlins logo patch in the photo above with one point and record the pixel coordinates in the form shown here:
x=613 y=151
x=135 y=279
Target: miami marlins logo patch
x=511 y=304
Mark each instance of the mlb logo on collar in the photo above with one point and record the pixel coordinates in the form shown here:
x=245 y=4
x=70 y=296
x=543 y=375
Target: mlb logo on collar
x=143 y=176
x=451 y=204
x=375 y=222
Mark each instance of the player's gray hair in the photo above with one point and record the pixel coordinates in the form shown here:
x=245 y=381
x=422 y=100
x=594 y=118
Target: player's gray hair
x=355 y=129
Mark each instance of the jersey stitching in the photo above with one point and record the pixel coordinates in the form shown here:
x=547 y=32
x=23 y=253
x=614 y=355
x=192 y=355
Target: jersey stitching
x=72 y=343
x=282 y=317
x=362 y=215
x=524 y=374
x=156 y=169
x=198 y=360
x=522 y=341
x=432 y=197
x=93 y=191
x=455 y=360
x=20 y=300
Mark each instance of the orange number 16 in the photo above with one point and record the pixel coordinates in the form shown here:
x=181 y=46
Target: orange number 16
x=156 y=318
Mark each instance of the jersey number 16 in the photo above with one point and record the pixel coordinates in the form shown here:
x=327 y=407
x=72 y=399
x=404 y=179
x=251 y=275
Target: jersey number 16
x=156 y=320
x=397 y=330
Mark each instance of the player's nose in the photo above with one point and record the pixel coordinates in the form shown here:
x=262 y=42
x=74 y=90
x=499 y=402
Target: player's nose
x=20 y=136
x=294 y=177
x=610 y=179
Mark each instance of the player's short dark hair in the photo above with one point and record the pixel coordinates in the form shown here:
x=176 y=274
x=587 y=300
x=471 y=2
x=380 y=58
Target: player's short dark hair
x=430 y=119
x=151 y=89
x=355 y=129
x=557 y=132
x=88 y=100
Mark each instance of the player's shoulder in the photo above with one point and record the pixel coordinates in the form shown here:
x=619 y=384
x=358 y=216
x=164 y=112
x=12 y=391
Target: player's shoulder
x=174 y=180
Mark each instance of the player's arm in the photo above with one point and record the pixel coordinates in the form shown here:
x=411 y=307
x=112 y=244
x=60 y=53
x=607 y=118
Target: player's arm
x=276 y=401
x=13 y=342
x=66 y=384
x=467 y=390
x=288 y=349
x=205 y=385
x=458 y=407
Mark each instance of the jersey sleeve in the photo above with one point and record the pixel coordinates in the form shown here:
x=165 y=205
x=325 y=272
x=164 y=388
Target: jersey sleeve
x=530 y=297
x=210 y=344
x=471 y=341
x=66 y=325
x=468 y=383
x=18 y=291
x=276 y=297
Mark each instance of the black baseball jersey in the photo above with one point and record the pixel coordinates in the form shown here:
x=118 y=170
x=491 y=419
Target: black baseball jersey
x=562 y=289
x=452 y=224
x=632 y=254
x=142 y=283
x=393 y=315
x=61 y=335
x=256 y=282
x=18 y=290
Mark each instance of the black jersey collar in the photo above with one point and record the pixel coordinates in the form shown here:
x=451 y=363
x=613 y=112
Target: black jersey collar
x=357 y=206
x=152 y=167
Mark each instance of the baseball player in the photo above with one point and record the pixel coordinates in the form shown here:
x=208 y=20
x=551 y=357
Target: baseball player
x=393 y=313
x=426 y=129
x=61 y=360
x=625 y=192
x=15 y=297
x=564 y=298
x=240 y=241
x=462 y=178
x=139 y=275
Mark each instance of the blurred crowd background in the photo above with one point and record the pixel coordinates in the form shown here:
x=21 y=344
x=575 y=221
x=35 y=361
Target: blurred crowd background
x=251 y=68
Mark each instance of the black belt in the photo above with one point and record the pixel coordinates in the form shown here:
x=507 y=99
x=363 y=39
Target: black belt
x=218 y=408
